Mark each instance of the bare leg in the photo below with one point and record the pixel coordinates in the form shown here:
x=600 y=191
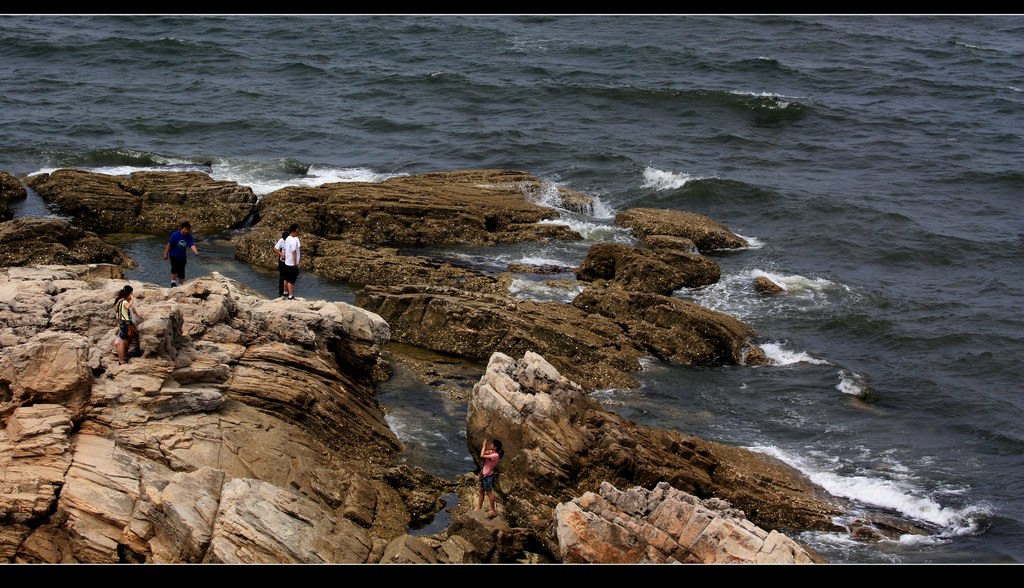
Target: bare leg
x=480 y=499
x=490 y=498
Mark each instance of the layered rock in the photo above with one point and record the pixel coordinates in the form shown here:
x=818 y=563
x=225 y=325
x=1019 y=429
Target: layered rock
x=660 y=270
x=704 y=232
x=146 y=201
x=10 y=189
x=244 y=421
x=475 y=207
x=560 y=444
x=51 y=241
x=665 y=525
x=247 y=420
x=597 y=341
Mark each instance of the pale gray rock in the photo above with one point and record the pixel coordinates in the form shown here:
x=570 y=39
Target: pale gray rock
x=409 y=549
x=260 y=523
x=665 y=525
x=229 y=387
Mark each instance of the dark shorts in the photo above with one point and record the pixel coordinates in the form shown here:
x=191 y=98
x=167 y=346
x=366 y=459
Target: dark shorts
x=487 y=482
x=291 y=273
x=178 y=266
x=122 y=329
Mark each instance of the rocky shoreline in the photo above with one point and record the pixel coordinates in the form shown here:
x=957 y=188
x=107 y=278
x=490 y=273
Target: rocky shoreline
x=248 y=431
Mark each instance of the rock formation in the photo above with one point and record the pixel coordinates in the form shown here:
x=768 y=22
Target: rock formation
x=248 y=431
x=10 y=189
x=144 y=201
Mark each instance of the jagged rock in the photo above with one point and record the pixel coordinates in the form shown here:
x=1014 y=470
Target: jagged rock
x=51 y=241
x=35 y=453
x=590 y=347
x=146 y=201
x=559 y=444
x=764 y=285
x=665 y=525
x=657 y=271
x=10 y=189
x=671 y=328
x=240 y=406
x=598 y=340
x=706 y=233
x=481 y=207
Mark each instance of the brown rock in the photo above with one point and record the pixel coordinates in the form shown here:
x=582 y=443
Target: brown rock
x=672 y=328
x=146 y=201
x=10 y=189
x=657 y=271
x=706 y=233
x=559 y=444
x=764 y=285
x=245 y=422
x=51 y=241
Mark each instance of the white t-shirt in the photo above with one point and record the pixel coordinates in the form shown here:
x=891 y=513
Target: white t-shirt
x=280 y=245
x=291 y=244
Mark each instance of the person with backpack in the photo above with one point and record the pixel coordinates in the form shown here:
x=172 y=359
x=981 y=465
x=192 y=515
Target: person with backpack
x=126 y=326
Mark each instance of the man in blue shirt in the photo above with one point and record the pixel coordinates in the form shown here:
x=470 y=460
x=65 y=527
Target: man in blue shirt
x=177 y=248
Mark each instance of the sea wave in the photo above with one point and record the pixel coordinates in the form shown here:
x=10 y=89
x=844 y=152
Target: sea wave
x=897 y=492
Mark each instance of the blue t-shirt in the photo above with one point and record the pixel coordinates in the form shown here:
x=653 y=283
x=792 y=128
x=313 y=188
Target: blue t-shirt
x=180 y=244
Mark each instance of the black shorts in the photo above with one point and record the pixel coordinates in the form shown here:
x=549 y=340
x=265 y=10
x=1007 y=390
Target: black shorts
x=291 y=273
x=178 y=266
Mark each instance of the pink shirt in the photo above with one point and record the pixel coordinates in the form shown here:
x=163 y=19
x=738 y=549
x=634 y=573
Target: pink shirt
x=490 y=462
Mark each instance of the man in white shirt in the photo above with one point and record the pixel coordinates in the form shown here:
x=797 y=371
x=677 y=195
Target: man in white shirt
x=292 y=255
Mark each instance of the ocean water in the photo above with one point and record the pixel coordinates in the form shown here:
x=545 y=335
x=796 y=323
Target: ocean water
x=873 y=162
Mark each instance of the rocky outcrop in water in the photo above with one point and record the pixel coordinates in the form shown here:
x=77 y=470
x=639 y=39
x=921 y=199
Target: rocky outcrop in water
x=559 y=444
x=598 y=340
x=704 y=232
x=51 y=241
x=10 y=189
x=146 y=201
x=247 y=431
x=665 y=525
x=660 y=270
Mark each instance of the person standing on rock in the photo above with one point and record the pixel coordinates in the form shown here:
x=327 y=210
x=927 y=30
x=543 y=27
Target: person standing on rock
x=123 y=311
x=490 y=452
x=291 y=260
x=281 y=265
x=177 y=250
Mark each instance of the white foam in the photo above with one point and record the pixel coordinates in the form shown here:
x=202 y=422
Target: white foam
x=595 y=231
x=315 y=176
x=666 y=180
x=753 y=242
x=782 y=356
x=898 y=494
x=541 y=292
x=852 y=383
